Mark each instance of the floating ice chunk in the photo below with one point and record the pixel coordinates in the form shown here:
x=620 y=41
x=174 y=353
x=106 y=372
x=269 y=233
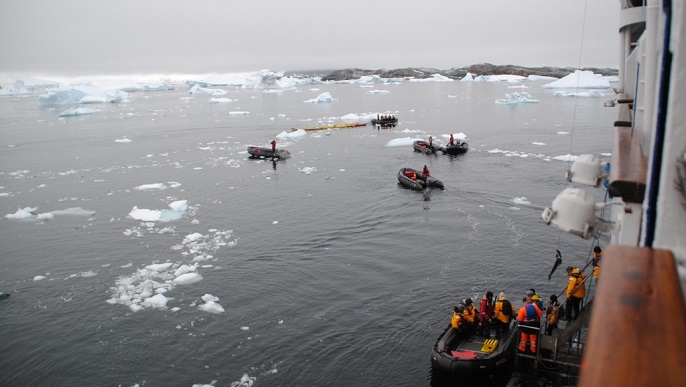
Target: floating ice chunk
x=179 y=205
x=78 y=112
x=178 y=209
x=211 y=304
x=246 y=381
x=521 y=200
x=516 y=98
x=197 y=89
x=323 y=97
x=158 y=301
x=151 y=187
x=183 y=269
x=39 y=277
x=220 y=100
x=187 y=279
x=433 y=78
x=398 y=142
x=45 y=216
x=123 y=140
x=159 y=267
x=190 y=238
x=24 y=213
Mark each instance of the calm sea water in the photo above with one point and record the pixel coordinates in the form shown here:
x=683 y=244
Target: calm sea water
x=339 y=276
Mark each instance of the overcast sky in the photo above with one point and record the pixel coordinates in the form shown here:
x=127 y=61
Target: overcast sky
x=93 y=37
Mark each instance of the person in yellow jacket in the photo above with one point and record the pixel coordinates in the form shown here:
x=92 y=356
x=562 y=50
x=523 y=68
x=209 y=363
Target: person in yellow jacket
x=576 y=291
x=457 y=320
x=597 y=255
x=468 y=315
x=502 y=314
x=535 y=298
x=553 y=315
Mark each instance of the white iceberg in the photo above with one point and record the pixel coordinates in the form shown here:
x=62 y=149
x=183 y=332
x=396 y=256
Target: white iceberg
x=17 y=88
x=197 y=89
x=187 y=279
x=211 y=304
x=516 y=98
x=177 y=211
x=323 y=97
x=580 y=80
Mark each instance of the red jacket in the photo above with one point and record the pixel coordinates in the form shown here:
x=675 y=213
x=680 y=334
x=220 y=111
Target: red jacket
x=485 y=308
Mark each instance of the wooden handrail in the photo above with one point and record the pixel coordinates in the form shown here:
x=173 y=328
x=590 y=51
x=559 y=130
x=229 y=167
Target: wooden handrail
x=637 y=335
x=627 y=167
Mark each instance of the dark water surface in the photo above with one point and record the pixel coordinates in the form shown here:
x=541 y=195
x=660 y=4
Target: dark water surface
x=339 y=276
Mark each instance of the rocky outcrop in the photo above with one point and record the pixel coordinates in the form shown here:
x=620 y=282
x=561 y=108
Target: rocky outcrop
x=459 y=73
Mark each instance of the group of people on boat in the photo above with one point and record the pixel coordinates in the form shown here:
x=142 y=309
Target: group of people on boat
x=452 y=141
x=385 y=117
x=492 y=313
x=496 y=313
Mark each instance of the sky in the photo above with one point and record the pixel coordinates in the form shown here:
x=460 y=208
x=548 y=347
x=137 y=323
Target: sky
x=86 y=37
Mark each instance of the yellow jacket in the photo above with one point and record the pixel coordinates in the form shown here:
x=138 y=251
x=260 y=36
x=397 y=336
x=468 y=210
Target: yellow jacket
x=553 y=312
x=498 y=311
x=469 y=313
x=575 y=278
x=597 y=257
x=456 y=321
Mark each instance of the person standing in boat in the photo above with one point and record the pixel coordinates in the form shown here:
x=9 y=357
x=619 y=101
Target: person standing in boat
x=529 y=318
x=485 y=314
x=553 y=313
x=431 y=143
x=457 y=320
x=273 y=145
x=425 y=173
x=597 y=255
x=502 y=314
x=576 y=291
x=452 y=139
x=469 y=315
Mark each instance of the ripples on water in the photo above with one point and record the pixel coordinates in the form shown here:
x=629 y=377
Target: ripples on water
x=339 y=276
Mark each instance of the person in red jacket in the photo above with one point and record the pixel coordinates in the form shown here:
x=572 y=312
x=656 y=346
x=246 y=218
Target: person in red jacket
x=273 y=145
x=452 y=139
x=529 y=318
x=485 y=314
x=425 y=173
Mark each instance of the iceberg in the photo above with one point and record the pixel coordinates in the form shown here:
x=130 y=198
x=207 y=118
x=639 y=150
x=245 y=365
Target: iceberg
x=177 y=211
x=17 y=88
x=433 y=78
x=71 y=95
x=580 y=80
x=187 y=279
x=196 y=89
x=323 y=97
x=516 y=98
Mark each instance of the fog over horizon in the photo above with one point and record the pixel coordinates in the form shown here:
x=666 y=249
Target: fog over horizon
x=82 y=38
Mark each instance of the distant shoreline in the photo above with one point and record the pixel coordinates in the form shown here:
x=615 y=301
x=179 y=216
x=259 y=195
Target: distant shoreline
x=453 y=73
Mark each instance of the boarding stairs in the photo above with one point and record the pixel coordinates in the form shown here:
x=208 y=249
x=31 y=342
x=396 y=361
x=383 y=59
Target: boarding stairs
x=566 y=342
